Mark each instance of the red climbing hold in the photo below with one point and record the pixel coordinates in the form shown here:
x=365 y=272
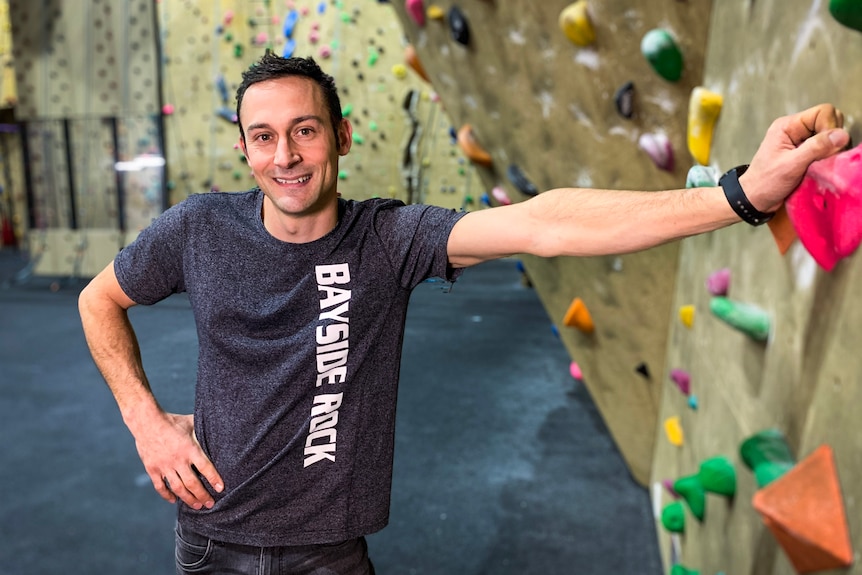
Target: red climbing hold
x=416 y=10
x=826 y=209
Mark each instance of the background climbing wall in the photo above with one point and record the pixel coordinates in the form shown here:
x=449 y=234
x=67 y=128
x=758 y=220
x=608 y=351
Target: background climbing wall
x=88 y=95
x=207 y=45
x=100 y=81
x=767 y=59
x=540 y=102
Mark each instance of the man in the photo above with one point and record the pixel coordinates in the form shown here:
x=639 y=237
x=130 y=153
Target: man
x=300 y=299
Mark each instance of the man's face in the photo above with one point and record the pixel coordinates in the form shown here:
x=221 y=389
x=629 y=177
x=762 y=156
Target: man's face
x=290 y=145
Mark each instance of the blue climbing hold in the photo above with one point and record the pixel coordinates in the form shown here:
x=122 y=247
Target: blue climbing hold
x=486 y=201
x=228 y=114
x=290 y=23
x=321 y=8
x=221 y=85
x=289 y=48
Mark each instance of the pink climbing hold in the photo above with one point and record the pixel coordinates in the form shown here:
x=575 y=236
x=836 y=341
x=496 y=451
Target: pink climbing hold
x=261 y=38
x=682 y=379
x=668 y=485
x=718 y=282
x=314 y=37
x=575 y=370
x=416 y=10
x=168 y=109
x=228 y=17
x=325 y=52
x=500 y=195
x=826 y=208
x=658 y=147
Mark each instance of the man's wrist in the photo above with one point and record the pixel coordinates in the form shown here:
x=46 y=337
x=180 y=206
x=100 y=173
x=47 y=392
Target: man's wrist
x=737 y=199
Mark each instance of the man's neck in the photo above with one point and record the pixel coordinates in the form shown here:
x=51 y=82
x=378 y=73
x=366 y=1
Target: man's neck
x=299 y=229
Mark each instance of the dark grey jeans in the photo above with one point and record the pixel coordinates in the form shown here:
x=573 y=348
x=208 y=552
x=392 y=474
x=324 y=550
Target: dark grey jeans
x=199 y=555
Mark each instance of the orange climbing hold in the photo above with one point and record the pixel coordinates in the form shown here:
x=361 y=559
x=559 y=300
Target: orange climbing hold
x=471 y=147
x=804 y=510
x=412 y=60
x=578 y=316
x=782 y=230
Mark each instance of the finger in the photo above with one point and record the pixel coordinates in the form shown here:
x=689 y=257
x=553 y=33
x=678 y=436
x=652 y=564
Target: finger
x=195 y=496
x=807 y=123
x=163 y=488
x=823 y=145
x=207 y=470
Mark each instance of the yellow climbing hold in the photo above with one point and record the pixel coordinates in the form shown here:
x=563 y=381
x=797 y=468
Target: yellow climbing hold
x=399 y=71
x=673 y=430
x=434 y=12
x=686 y=315
x=576 y=25
x=703 y=110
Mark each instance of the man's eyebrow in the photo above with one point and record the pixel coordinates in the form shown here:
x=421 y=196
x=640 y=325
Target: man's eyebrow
x=298 y=120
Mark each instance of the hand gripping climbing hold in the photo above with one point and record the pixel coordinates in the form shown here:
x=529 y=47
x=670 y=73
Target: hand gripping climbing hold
x=662 y=52
x=575 y=23
x=717 y=475
x=471 y=148
x=826 y=209
x=578 y=316
x=458 y=26
x=805 y=511
x=847 y=12
x=703 y=110
x=673 y=517
x=416 y=10
x=691 y=490
x=747 y=318
x=768 y=456
x=659 y=149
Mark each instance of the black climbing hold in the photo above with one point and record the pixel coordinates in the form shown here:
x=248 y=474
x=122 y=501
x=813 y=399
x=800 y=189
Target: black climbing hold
x=458 y=26
x=520 y=181
x=643 y=369
x=360 y=77
x=624 y=99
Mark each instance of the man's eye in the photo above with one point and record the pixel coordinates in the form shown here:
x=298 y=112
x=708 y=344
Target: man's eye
x=305 y=131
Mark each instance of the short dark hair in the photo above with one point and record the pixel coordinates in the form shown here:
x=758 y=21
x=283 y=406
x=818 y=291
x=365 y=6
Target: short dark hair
x=272 y=66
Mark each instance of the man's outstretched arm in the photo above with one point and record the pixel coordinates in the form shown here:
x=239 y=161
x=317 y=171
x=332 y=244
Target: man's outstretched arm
x=584 y=222
x=165 y=441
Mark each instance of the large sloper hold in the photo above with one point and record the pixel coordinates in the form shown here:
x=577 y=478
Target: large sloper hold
x=747 y=318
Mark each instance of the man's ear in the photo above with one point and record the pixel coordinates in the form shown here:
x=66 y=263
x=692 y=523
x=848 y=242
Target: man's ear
x=345 y=137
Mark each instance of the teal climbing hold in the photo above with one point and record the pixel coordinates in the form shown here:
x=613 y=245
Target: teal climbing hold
x=700 y=176
x=347 y=110
x=691 y=490
x=847 y=12
x=747 y=318
x=663 y=54
x=357 y=139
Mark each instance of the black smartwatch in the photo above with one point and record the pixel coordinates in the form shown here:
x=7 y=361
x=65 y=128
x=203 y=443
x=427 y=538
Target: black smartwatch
x=729 y=182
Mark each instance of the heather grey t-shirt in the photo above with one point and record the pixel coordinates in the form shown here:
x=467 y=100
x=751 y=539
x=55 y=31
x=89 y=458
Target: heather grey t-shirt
x=300 y=348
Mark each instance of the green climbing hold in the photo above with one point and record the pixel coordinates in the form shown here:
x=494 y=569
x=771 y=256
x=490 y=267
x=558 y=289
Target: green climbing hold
x=847 y=12
x=701 y=177
x=372 y=125
x=768 y=455
x=373 y=56
x=347 y=110
x=717 y=475
x=228 y=37
x=171 y=185
x=661 y=51
x=749 y=319
x=691 y=489
x=237 y=50
x=357 y=139
x=673 y=517
x=237 y=175
x=680 y=570
x=342 y=174
x=346 y=17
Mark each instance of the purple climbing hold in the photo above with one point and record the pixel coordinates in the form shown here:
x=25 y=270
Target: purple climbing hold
x=668 y=485
x=682 y=380
x=659 y=149
x=458 y=26
x=624 y=99
x=718 y=282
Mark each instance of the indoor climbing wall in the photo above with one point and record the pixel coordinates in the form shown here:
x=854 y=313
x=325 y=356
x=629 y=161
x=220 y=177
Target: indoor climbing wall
x=88 y=103
x=8 y=93
x=796 y=505
x=548 y=108
x=401 y=146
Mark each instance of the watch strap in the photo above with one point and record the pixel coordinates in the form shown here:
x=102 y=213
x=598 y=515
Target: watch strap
x=737 y=199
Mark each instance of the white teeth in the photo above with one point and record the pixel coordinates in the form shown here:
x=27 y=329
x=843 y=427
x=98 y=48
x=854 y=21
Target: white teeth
x=301 y=180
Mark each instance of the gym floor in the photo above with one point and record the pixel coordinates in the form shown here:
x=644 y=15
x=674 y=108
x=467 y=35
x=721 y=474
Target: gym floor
x=503 y=464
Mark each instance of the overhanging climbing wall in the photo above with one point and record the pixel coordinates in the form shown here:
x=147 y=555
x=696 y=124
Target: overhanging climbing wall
x=767 y=58
x=540 y=102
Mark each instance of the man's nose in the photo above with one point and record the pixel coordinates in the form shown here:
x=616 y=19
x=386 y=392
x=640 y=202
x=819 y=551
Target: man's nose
x=285 y=153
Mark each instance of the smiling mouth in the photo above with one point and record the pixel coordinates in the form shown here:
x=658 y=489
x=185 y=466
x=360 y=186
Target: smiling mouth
x=300 y=180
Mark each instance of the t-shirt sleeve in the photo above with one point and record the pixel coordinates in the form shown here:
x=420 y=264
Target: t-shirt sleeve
x=151 y=267
x=415 y=239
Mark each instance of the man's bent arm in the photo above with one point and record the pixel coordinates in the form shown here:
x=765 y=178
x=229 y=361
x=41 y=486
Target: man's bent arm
x=165 y=442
